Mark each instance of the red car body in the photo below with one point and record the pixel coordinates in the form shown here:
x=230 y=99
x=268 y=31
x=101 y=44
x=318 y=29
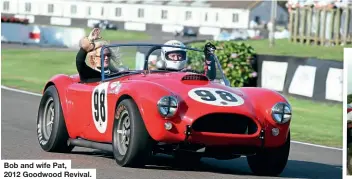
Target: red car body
x=208 y=114
x=147 y=89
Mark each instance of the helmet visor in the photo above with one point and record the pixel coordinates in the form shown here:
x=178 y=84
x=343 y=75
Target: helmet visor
x=176 y=55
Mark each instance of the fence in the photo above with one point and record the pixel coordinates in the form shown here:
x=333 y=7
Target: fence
x=321 y=26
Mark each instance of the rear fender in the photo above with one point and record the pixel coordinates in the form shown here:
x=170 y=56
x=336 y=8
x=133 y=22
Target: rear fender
x=263 y=100
x=146 y=95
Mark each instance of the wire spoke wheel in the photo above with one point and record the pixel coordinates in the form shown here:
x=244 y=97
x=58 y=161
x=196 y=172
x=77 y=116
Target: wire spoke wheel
x=123 y=132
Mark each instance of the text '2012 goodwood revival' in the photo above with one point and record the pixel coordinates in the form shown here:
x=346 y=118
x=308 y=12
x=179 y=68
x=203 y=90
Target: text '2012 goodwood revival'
x=190 y=114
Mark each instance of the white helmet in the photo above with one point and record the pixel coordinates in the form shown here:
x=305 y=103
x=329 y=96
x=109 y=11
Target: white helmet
x=174 y=64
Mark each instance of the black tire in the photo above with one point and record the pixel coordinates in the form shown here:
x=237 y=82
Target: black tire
x=140 y=146
x=56 y=139
x=270 y=162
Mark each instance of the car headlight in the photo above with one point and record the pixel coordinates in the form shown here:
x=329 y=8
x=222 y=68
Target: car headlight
x=168 y=106
x=281 y=112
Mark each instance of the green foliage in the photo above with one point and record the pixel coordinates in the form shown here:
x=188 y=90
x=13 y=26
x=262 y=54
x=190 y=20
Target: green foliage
x=234 y=58
x=349 y=98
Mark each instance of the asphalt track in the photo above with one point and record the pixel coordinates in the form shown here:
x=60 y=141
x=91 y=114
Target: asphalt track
x=19 y=141
x=18 y=132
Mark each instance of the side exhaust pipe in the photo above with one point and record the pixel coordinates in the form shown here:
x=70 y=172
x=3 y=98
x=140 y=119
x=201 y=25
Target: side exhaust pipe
x=90 y=144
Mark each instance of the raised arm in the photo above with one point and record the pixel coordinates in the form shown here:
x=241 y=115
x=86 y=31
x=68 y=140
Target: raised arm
x=86 y=45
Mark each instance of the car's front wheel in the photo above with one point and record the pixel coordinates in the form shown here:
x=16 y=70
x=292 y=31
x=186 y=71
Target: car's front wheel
x=271 y=161
x=51 y=128
x=132 y=145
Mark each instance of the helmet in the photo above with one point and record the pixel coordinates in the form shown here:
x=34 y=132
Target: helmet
x=166 y=52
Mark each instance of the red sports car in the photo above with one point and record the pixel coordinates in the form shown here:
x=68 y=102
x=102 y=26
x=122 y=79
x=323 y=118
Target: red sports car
x=187 y=114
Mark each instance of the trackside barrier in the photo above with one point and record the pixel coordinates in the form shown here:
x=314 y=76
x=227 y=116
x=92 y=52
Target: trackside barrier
x=19 y=33
x=61 y=36
x=41 y=35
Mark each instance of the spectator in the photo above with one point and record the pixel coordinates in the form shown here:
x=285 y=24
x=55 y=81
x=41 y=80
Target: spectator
x=342 y=3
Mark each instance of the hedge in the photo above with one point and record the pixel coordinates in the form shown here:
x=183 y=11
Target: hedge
x=349 y=98
x=236 y=60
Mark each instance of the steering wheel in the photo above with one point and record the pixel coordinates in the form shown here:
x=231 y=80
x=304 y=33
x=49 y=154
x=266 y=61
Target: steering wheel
x=147 y=56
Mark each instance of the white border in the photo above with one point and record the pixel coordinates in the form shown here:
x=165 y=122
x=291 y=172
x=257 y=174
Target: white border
x=347 y=57
x=297 y=142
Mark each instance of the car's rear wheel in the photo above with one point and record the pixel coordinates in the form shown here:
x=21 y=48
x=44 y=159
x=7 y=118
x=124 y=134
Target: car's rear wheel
x=270 y=162
x=51 y=128
x=132 y=144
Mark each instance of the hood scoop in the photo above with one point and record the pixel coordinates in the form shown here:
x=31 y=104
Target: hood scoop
x=194 y=77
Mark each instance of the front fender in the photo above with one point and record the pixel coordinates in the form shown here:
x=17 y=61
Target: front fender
x=146 y=95
x=263 y=100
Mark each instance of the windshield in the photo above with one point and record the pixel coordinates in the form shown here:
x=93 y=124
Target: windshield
x=127 y=59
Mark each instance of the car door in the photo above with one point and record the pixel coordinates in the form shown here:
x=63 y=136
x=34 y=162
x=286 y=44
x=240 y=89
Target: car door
x=97 y=111
x=80 y=108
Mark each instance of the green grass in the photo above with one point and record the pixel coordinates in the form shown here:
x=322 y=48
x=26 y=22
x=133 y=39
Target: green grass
x=317 y=123
x=312 y=122
x=121 y=35
x=29 y=69
x=286 y=48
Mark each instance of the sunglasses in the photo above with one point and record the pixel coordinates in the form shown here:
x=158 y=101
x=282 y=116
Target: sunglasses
x=105 y=55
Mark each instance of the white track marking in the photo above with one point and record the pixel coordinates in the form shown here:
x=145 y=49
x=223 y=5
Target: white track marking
x=297 y=142
x=20 y=91
x=316 y=145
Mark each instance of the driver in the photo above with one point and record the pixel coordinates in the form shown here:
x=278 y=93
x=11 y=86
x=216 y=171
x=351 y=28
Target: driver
x=91 y=48
x=173 y=59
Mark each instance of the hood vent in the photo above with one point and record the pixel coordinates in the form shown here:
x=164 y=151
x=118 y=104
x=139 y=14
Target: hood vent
x=195 y=77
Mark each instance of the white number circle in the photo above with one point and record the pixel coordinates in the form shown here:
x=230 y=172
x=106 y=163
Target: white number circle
x=216 y=97
x=100 y=107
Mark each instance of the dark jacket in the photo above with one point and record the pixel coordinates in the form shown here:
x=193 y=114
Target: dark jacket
x=86 y=73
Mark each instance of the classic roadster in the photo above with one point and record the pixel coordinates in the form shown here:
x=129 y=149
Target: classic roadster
x=136 y=114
